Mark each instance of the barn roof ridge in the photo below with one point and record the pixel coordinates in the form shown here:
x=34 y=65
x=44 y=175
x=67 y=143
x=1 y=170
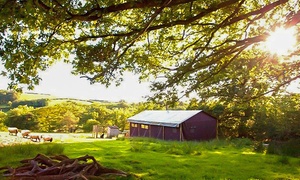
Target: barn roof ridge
x=171 y=118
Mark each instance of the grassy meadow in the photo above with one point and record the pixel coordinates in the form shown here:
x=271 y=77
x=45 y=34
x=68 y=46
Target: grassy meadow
x=156 y=159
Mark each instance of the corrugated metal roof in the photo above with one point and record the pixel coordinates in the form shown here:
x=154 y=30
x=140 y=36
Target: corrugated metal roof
x=171 y=118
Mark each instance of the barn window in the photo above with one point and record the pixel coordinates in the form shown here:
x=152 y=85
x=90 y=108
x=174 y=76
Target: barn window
x=134 y=125
x=144 y=126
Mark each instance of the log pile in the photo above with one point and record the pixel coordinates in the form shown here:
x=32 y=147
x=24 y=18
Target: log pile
x=61 y=167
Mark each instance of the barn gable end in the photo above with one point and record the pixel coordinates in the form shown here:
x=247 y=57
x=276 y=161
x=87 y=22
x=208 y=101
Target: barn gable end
x=174 y=125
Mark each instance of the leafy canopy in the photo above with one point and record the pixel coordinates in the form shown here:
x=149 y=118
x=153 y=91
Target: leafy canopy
x=209 y=47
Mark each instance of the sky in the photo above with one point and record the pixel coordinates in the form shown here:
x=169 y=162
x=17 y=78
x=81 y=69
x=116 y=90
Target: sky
x=58 y=81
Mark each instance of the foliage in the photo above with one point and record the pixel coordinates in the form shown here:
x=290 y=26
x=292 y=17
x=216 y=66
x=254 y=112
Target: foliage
x=2 y=119
x=288 y=148
x=8 y=96
x=88 y=126
x=22 y=118
x=270 y=117
x=277 y=118
x=34 y=103
x=69 y=122
x=210 y=48
x=63 y=116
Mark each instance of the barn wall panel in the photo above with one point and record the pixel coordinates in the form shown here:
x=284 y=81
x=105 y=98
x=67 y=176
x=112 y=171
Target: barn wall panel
x=172 y=133
x=200 y=127
x=156 y=131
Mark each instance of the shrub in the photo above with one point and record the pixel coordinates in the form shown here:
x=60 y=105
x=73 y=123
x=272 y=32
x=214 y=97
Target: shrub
x=242 y=142
x=288 y=148
x=259 y=147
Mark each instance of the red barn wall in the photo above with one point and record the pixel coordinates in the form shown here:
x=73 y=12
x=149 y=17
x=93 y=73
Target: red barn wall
x=156 y=131
x=172 y=133
x=200 y=127
x=134 y=131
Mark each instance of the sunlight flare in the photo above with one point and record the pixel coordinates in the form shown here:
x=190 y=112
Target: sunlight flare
x=281 y=41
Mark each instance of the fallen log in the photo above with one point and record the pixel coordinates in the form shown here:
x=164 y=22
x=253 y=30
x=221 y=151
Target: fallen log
x=61 y=167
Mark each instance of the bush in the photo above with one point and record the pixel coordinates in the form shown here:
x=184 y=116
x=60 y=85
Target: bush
x=34 y=103
x=288 y=148
x=88 y=126
x=259 y=147
x=242 y=142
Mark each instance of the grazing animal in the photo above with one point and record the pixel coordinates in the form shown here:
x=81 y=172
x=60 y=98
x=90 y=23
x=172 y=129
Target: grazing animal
x=25 y=133
x=13 y=131
x=47 y=138
x=102 y=135
x=34 y=138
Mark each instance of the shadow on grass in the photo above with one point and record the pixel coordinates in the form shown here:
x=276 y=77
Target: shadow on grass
x=156 y=159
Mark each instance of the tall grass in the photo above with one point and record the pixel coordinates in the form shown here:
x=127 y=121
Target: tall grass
x=12 y=154
x=289 y=148
x=185 y=147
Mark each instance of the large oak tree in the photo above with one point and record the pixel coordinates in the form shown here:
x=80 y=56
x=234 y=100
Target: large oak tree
x=210 y=47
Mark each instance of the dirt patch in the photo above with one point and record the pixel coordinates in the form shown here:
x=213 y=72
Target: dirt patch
x=7 y=139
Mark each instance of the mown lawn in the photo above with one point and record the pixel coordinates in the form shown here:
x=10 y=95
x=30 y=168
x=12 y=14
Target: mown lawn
x=155 y=159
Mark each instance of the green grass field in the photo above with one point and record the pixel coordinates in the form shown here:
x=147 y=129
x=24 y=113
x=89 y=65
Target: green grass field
x=155 y=159
x=52 y=99
x=31 y=96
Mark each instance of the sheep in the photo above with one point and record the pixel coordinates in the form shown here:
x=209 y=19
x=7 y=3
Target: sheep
x=34 y=138
x=13 y=131
x=47 y=138
x=25 y=133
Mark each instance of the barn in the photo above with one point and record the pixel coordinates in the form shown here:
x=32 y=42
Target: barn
x=181 y=125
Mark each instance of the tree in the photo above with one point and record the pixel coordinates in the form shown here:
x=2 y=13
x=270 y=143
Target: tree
x=277 y=118
x=7 y=97
x=69 y=121
x=88 y=126
x=22 y=118
x=118 y=117
x=193 y=104
x=195 y=44
x=49 y=118
x=2 y=118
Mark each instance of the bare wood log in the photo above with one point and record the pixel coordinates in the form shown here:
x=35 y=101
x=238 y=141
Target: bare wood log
x=49 y=170
x=41 y=159
x=35 y=167
x=60 y=157
x=42 y=167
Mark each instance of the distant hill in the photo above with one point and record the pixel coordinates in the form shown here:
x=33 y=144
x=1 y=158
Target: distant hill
x=32 y=96
x=55 y=100
x=52 y=100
